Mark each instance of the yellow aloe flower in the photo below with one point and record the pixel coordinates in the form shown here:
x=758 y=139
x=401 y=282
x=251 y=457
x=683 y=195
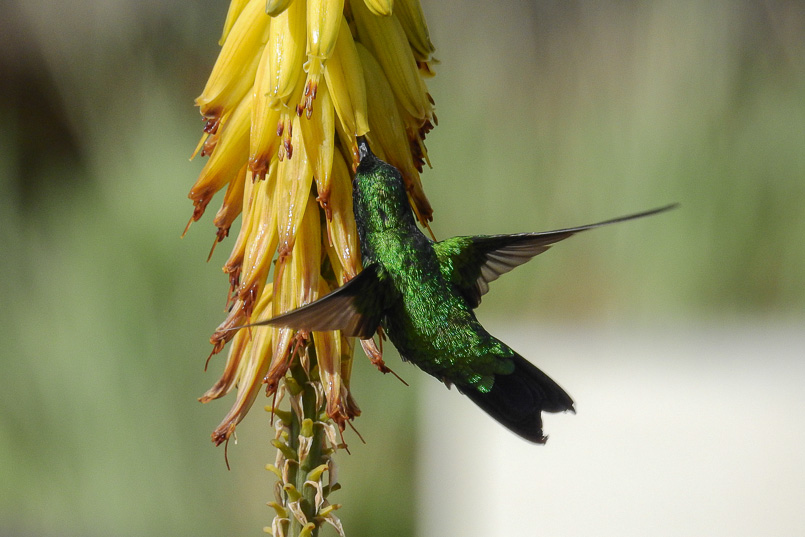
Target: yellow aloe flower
x=295 y=83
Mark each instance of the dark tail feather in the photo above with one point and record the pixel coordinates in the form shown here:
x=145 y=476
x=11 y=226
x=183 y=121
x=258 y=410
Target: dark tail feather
x=517 y=400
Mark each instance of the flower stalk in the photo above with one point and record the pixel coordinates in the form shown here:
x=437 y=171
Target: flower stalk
x=306 y=442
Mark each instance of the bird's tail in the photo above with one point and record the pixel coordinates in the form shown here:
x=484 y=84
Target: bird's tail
x=517 y=400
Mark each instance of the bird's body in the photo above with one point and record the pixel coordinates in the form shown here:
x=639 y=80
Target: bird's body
x=423 y=294
x=427 y=320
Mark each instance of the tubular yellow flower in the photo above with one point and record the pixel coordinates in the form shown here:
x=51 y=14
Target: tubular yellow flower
x=295 y=83
x=416 y=30
x=263 y=141
x=286 y=44
x=233 y=73
x=323 y=25
x=227 y=157
x=344 y=77
x=385 y=37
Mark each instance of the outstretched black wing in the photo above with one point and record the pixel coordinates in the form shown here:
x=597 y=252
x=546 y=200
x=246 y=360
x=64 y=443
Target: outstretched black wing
x=471 y=263
x=354 y=308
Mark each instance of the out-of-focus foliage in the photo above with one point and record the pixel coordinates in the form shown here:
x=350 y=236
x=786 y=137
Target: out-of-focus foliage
x=587 y=110
x=557 y=114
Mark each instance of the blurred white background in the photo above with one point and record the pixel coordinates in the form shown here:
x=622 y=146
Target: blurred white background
x=680 y=430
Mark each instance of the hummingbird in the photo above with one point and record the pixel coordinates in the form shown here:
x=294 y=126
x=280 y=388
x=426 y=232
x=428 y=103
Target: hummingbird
x=423 y=293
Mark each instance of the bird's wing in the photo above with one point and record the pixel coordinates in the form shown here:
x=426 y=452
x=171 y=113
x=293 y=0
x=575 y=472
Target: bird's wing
x=354 y=308
x=471 y=263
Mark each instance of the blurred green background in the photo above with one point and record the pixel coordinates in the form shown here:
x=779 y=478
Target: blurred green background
x=552 y=114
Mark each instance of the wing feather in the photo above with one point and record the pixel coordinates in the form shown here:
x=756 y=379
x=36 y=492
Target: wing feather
x=471 y=263
x=354 y=308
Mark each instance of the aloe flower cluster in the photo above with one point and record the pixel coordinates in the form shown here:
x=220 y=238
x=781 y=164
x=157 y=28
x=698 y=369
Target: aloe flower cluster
x=295 y=83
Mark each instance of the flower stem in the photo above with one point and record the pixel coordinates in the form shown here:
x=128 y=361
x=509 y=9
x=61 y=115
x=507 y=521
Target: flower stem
x=304 y=454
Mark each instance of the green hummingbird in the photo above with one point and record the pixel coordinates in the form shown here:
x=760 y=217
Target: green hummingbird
x=423 y=293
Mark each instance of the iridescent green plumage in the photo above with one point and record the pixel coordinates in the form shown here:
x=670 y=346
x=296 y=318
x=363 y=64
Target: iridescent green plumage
x=423 y=294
